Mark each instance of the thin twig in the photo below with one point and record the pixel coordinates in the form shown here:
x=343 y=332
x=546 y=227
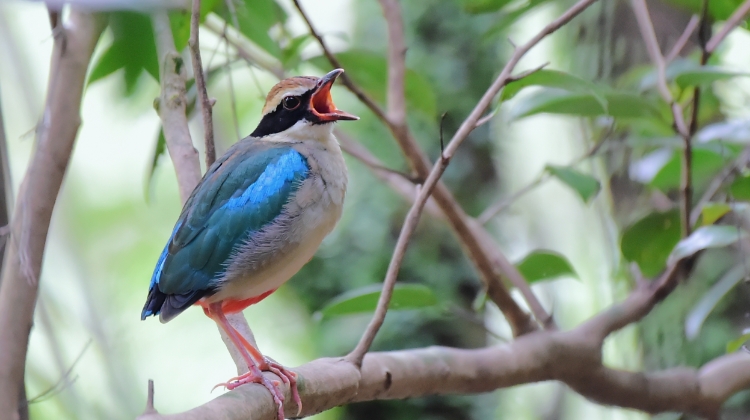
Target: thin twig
x=719 y=181
x=682 y=40
x=200 y=84
x=737 y=17
x=652 y=46
x=171 y=107
x=344 y=77
x=500 y=205
x=64 y=378
x=505 y=300
x=410 y=224
x=150 y=400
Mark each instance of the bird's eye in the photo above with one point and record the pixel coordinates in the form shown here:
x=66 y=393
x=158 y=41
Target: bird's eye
x=291 y=102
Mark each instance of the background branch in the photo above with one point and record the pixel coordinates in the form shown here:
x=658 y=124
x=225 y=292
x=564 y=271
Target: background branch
x=652 y=46
x=200 y=83
x=734 y=20
x=71 y=53
x=171 y=108
x=573 y=357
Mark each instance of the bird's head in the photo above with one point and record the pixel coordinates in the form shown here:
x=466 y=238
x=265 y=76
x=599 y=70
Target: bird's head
x=299 y=102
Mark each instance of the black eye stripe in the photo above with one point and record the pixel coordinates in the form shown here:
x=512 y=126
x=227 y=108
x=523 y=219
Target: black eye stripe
x=281 y=118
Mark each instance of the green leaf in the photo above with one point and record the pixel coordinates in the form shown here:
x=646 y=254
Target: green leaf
x=545 y=265
x=179 y=21
x=557 y=101
x=133 y=49
x=291 y=54
x=704 y=307
x=365 y=299
x=706 y=163
x=548 y=78
x=483 y=6
x=256 y=18
x=649 y=241
x=711 y=212
x=370 y=72
x=705 y=75
x=740 y=188
x=736 y=344
x=585 y=185
x=714 y=236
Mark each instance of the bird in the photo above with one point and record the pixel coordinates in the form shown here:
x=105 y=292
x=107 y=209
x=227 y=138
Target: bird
x=257 y=216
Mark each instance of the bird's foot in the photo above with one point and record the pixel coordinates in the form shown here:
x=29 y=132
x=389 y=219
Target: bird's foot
x=255 y=375
x=289 y=377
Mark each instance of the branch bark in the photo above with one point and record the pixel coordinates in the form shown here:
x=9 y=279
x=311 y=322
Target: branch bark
x=200 y=84
x=460 y=222
x=572 y=357
x=73 y=46
x=171 y=108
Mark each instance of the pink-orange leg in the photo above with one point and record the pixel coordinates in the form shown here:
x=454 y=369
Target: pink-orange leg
x=256 y=363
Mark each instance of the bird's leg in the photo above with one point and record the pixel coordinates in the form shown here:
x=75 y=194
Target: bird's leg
x=254 y=375
x=289 y=377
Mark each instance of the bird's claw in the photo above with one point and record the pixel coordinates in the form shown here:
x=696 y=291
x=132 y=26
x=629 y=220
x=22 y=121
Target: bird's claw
x=255 y=375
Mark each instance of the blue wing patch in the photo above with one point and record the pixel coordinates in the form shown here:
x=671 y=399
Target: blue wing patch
x=271 y=181
x=242 y=192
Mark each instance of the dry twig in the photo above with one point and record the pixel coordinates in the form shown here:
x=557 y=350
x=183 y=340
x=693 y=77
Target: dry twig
x=503 y=298
x=682 y=40
x=171 y=108
x=573 y=357
x=71 y=54
x=652 y=46
x=200 y=84
x=737 y=17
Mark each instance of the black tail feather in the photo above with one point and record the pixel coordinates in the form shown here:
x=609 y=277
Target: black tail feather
x=169 y=306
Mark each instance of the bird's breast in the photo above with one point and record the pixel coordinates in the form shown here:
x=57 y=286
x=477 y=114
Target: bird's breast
x=272 y=255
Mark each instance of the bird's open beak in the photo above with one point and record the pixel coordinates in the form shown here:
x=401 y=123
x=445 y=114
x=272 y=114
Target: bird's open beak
x=322 y=105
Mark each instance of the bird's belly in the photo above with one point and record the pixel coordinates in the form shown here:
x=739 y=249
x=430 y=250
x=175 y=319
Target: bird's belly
x=312 y=227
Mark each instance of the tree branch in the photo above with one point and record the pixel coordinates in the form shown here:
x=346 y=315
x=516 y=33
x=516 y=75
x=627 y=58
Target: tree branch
x=461 y=223
x=171 y=108
x=572 y=357
x=737 y=17
x=652 y=46
x=71 y=53
x=682 y=40
x=200 y=84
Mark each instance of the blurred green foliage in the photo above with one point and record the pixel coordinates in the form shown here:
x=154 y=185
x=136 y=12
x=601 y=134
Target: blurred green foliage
x=454 y=51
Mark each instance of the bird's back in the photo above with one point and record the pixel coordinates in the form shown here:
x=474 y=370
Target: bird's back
x=258 y=215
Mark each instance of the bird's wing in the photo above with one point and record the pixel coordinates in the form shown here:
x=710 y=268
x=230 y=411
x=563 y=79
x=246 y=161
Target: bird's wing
x=242 y=192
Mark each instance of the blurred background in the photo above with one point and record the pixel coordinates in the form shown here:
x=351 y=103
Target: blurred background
x=91 y=356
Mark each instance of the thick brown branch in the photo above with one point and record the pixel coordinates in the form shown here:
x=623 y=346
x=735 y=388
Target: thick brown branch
x=573 y=357
x=171 y=108
x=73 y=47
x=200 y=84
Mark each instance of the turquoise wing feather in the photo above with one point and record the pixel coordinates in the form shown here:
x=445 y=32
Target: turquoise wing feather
x=242 y=192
